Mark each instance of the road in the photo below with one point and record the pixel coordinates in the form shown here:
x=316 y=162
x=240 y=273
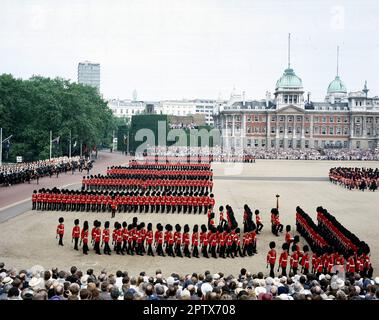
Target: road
x=15 y=200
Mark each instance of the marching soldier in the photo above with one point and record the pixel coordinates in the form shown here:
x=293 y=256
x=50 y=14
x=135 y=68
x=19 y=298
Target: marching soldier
x=149 y=239
x=60 y=230
x=106 y=237
x=97 y=238
x=283 y=259
x=195 y=241
x=294 y=261
x=76 y=234
x=271 y=258
x=258 y=221
x=84 y=237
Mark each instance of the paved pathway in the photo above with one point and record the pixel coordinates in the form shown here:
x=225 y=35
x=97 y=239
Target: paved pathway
x=21 y=193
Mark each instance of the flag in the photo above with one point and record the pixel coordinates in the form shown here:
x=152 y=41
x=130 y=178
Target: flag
x=56 y=140
x=74 y=144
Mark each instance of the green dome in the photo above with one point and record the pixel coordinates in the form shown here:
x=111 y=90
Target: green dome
x=289 y=80
x=337 y=86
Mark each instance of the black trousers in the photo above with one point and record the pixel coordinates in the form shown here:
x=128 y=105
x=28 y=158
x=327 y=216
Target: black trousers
x=160 y=250
x=272 y=274
x=76 y=240
x=186 y=251
x=107 y=249
x=97 y=247
x=259 y=227
x=61 y=239
x=195 y=251
x=150 y=250
x=213 y=252
x=85 y=248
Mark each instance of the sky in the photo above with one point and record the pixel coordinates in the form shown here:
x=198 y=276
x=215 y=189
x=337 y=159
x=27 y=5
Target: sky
x=193 y=49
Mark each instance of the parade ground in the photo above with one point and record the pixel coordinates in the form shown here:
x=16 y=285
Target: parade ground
x=28 y=239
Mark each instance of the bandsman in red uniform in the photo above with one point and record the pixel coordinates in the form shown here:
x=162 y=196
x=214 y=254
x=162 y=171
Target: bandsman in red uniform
x=170 y=241
x=119 y=239
x=288 y=237
x=186 y=241
x=106 y=238
x=204 y=241
x=60 y=231
x=271 y=258
x=34 y=200
x=76 y=234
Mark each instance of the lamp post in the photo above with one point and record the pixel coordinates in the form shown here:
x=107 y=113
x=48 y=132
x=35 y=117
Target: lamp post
x=277 y=201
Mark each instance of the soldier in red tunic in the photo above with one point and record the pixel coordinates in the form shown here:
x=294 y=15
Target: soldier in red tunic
x=106 y=237
x=125 y=236
x=271 y=258
x=195 y=241
x=97 y=238
x=186 y=241
x=178 y=240
x=158 y=239
x=149 y=239
x=294 y=261
x=305 y=260
x=119 y=239
x=283 y=259
x=60 y=230
x=170 y=241
x=213 y=241
x=76 y=234
x=204 y=241
x=34 y=200
x=258 y=221
x=84 y=237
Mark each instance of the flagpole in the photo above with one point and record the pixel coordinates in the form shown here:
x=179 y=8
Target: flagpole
x=70 y=145
x=51 y=142
x=1 y=146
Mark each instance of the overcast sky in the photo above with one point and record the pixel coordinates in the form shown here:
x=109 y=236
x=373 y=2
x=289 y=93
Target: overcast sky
x=192 y=49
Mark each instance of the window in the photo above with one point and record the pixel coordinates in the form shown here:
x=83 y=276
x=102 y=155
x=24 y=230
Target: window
x=280 y=129
x=358 y=144
x=289 y=143
x=316 y=143
x=357 y=131
x=345 y=119
x=295 y=99
x=248 y=118
x=263 y=143
x=331 y=130
x=323 y=143
x=289 y=129
x=316 y=130
x=306 y=144
x=285 y=98
x=323 y=130
x=306 y=119
x=281 y=143
x=331 y=119
x=273 y=118
x=345 y=144
x=306 y=130
x=315 y=119
x=273 y=129
x=256 y=142
x=290 y=119
x=298 y=130
x=369 y=131
x=272 y=143
x=298 y=119
x=346 y=130
x=338 y=130
x=249 y=142
x=323 y=119
x=248 y=129
x=256 y=119
x=281 y=118
x=238 y=118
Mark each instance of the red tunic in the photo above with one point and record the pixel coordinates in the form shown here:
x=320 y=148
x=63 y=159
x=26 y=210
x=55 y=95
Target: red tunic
x=84 y=236
x=60 y=229
x=283 y=259
x=271 y=256
x=106 y=235
x=76 y=232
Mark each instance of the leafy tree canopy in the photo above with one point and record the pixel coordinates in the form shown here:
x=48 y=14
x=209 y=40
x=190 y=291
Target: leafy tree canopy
x=29 y=109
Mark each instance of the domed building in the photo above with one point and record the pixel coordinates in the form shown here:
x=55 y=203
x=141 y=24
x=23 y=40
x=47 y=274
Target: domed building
x=337 y=91
x=342 y=120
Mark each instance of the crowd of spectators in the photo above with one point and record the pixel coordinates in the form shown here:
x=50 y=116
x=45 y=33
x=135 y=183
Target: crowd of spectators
x=15 y=173
x=54 y=284
x=221 y=154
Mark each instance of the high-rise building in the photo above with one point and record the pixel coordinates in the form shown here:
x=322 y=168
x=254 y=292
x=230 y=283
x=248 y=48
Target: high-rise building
x=89 y=74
